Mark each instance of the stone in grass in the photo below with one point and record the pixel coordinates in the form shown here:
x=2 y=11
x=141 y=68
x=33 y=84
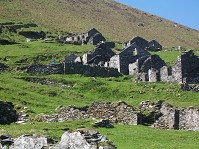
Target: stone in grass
x=103 y=123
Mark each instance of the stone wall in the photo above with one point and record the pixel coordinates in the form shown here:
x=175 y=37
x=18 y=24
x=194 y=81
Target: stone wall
x=189 y=119
x=185 y=69
x=119 y=112
x=190 y=87
x=190 y=67
x=127 y=56
x=169 y=118
x=93 y=37
x=149 y=65
x=154 y=46
x=33 y=34
x=101 y=54
x=139 y=41
x=73 y=68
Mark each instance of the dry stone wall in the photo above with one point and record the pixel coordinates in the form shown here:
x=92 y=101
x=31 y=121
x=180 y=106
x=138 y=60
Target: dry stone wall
x=119 y=112
x=73 y=68
x=189 y=119
x=169 y=118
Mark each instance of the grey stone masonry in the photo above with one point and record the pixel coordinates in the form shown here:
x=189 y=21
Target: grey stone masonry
x=189 y=119
x=145 y=63
x=154 y=46
x=118 y=112
x=185 y=69
x=92 y=36
x=129 y=55
x=169 y=118
x=101 y=54
x=73 y=68
x=139 y=41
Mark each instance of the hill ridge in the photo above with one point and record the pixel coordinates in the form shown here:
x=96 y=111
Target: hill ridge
x=116 y=21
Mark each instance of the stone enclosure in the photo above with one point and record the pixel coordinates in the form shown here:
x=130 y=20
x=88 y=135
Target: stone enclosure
x=159 y=115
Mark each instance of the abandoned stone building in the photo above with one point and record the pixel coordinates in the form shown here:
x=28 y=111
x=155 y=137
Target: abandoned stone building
x=185 y=69
x=153 y=69
x=139 y=41
x=144 y=44
x=101 y=54
x=154 y=46
x=142 y=66
x=129 y=55
x=92 y=37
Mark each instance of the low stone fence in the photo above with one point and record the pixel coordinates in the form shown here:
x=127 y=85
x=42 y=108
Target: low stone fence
x=73 y=68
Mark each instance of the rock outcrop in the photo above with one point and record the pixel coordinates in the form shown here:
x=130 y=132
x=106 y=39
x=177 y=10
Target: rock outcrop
x=87 y=139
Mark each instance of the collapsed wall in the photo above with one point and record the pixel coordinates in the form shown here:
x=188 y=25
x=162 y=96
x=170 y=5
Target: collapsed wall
x=120 y=113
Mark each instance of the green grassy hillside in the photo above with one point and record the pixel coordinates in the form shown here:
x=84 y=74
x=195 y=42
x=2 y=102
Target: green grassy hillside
x=16 y=87
x=116 y=21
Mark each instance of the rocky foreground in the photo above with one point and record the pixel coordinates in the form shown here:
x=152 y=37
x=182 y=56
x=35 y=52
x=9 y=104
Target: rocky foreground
x=81 y=139
x=158 y=115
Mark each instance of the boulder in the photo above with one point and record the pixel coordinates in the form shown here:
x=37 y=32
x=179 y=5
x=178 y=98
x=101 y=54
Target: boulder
x=3 y=67
x=103 y=123
x=29 y=142
x=7 y=113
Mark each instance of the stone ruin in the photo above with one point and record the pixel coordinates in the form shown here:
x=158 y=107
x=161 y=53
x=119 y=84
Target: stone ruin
x=92 y=37
x=73 y=68
x=144 y=44
x=165 y=116
x=129 y=55
x=159 y=115
x=120 y=113
x=143 y=65
x=89 y=64
x=82 y=138
x=100 y=55
x=134 y=59
x=153 y=69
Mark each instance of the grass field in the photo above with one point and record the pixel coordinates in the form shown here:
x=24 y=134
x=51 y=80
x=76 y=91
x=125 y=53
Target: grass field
x=81 y=91
x=123 y=136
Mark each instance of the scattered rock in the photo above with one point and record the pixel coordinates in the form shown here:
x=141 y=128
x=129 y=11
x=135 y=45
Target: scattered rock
x=103 y=123
x=88 y=139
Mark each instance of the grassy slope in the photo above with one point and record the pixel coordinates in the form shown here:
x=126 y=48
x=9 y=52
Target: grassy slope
x=114 y=20
x=82 y=91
